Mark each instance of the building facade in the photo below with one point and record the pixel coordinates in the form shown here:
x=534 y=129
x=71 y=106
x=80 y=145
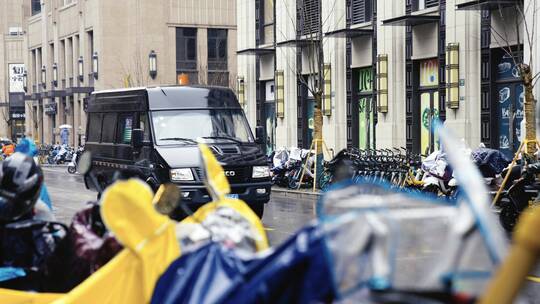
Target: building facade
x=394 y=68
x=12 y=15
x=74 y=47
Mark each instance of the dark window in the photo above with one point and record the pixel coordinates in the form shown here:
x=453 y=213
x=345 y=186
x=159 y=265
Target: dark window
x=217 y=50
x=36 y=7
x=423 y=4
x=218 y=78
x=186 y=49
x=109 y=124
x=94 y=127
x=310 y=16
x=361 y=11
x=125 y=125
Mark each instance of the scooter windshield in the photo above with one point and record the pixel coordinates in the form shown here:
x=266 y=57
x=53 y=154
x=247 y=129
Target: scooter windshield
x=187 y=126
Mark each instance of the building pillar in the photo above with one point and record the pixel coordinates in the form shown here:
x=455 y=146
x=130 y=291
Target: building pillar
x=202 y=54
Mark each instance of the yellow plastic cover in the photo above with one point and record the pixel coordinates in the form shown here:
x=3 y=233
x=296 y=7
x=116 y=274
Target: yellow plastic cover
x=150 y=247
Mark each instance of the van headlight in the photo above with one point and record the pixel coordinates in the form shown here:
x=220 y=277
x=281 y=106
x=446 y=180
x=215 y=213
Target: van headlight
x=183 y=174
x=260 y=172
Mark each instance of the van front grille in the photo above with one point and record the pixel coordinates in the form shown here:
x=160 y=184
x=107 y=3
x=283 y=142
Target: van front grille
x=235 y=175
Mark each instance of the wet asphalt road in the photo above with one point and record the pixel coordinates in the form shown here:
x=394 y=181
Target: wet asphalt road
x=282 y=217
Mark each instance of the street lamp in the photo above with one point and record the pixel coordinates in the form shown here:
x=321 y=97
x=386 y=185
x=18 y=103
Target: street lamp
x=382 y=83
x=55 y=74
x=452 y=75
x=25 y=81
x=280 y=94
x=95 y=65
x=327 y=86
x=152 y=60
x=81 y=68
x=43 y=77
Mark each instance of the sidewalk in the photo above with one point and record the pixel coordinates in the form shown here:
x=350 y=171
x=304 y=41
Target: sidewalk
x=302 y=193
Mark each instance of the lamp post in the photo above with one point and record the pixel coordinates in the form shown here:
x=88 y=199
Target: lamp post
x=55 y=75
x=452 y=76
x=327 y=97
x=43 y=77
x=382 y=83
x=81 y=69
x=280 y=94
x=152 y=64
x=95 y=65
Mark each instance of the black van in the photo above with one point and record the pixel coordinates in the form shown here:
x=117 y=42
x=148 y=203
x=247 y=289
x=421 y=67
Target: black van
x=154 y=132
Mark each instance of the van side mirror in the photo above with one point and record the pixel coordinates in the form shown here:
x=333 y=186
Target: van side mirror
x=259 y=135
x=137 y=137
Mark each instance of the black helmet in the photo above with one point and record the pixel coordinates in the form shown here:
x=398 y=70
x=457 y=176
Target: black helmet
x=20 y=185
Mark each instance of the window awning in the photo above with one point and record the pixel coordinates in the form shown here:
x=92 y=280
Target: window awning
x=298 y=42
x=486 y=4
x=349 y=33
x=54 y=93
x=79 y=90
x=407 y=20
x=36 y=96
x=257 y=51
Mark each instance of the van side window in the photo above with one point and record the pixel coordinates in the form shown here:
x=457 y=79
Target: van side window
x=94 y=127
x=125 y=125
x=109 y=126
x=143 y=125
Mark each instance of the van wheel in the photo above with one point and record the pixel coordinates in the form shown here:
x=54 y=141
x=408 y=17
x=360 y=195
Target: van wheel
x=258 y=209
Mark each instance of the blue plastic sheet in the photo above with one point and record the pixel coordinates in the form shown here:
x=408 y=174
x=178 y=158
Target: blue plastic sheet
x=298 y=271
x=9 y=273
x=490 y=162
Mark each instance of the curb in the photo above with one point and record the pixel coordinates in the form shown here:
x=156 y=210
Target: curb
x=296 y=193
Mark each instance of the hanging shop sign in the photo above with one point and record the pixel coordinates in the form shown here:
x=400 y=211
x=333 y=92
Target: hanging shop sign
x=16 y=78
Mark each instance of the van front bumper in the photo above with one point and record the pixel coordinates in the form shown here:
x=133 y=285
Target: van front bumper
x=251 y=193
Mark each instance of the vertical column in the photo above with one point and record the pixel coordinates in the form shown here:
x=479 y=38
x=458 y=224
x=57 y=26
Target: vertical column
x=202 y=55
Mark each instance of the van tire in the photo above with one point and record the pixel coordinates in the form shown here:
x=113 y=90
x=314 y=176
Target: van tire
x=258 y=209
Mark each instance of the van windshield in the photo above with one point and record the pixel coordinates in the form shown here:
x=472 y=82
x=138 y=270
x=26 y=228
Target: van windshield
x=185 y=126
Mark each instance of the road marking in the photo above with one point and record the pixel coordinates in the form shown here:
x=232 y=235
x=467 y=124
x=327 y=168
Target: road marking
x=269 y=229
x=533 y=279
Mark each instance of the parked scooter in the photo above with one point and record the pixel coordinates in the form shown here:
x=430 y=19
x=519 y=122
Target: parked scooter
x=280 y=166
x=520 y=195
x=438 y=176
x=297 y=161
x=340 y=168
x=72 y=167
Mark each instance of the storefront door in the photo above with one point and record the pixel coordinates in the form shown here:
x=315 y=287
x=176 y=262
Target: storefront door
x=510 y=97
x=310 y=117
x=428 y=96
x=270 y=122
x=366 y=110
x=429 y=114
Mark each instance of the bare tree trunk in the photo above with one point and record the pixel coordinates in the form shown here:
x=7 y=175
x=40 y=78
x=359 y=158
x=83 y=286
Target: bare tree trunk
x=530 y=109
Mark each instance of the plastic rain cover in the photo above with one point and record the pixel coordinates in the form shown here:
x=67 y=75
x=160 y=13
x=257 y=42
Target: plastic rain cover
x=386 y=239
